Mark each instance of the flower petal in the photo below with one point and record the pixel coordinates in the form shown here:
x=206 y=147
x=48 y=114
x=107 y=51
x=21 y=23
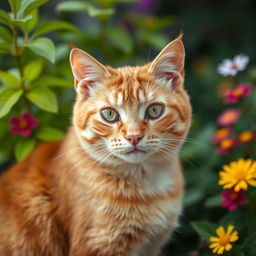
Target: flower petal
x=230 y=229
x=220 y=231
x=26 y=132
x=221 y=250
x=234 y=236
x=214 y=239
x=15 y=121
x=228 y=247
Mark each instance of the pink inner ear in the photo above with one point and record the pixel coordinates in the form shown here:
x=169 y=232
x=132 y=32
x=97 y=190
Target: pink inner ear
x=175 y=77
x=84 y=87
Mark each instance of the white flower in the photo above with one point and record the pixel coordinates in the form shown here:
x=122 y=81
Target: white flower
x=231 y=67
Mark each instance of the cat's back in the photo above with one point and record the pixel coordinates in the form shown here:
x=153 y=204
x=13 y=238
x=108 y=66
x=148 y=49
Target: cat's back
x=34 y=167
x=27 y=205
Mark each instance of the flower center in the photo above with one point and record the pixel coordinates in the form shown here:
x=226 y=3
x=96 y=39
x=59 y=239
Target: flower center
x=229 y=117
x=238 y=92
x=234 y=66
x=23 y=124
x=226 y=143
x=224 y=240
x=233 y=196
x=246 y=136
x=222 y=133
x=240 y=175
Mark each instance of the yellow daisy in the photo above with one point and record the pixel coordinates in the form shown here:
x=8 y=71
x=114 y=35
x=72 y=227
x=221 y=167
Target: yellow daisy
x=223 y=241
x=238 y=174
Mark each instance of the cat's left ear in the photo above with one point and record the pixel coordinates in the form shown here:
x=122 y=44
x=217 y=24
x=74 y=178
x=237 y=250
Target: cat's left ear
x=168 y=66
x=87 y=71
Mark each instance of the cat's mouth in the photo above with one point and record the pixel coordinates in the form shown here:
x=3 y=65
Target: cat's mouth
x=136 y=150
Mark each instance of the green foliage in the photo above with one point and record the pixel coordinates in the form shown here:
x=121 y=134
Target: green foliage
x=46 y=133
x=249 y=245
x=50 y=26
x=8 y=97
x=204 y=229
x=33 y=69
x=24 y=147
x=44 y=98
x=44 y=47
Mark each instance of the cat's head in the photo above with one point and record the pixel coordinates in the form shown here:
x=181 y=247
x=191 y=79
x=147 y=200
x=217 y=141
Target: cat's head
x=131 y=114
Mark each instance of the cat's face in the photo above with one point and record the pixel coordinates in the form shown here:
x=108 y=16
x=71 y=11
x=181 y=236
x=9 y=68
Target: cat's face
x=131 y=114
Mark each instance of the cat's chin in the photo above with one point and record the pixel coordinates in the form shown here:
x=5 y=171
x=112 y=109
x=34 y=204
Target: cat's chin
x=135 y=156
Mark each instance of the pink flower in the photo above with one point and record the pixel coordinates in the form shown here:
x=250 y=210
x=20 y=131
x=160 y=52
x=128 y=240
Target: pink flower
x=232 y=199
x=228 y=117
x=23 y=125
x=241 y=90
x=226 y=144
x=221 y=134
x=231 y=67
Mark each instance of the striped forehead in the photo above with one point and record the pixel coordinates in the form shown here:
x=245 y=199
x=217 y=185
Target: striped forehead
x=121 y=98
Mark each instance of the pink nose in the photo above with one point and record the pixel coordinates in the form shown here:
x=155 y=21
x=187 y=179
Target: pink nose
x=134 y=139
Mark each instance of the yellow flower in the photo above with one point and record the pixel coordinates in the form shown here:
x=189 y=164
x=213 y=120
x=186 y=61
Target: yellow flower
x=238 y=174
x=224 y=239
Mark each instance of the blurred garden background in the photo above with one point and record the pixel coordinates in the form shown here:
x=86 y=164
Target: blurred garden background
x=36 y=95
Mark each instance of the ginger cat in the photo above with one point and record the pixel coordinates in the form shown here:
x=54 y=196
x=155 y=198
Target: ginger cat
x=114 y=185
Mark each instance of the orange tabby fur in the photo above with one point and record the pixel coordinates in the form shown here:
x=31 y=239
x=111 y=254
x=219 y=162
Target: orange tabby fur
x=72 y=197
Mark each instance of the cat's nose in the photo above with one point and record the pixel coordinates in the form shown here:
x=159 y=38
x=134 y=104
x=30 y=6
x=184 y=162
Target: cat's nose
x=134 y=138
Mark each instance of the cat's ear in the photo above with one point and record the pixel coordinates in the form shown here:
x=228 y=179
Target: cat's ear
x=87 y=71
x=168 y=66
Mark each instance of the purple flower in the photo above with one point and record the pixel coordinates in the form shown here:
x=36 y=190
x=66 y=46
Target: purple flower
x=148 y=5
x=23 y=125
x=232 y=199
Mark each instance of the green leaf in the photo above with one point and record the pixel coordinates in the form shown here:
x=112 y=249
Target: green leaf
x=4 y=18
x=102 y=14
x=78 y=6
x=15 y=5
x=121 y=39
x=53 y=81
x=47 y=133
x=72 y=6
x=5 y=35
x=4 y=47
x=27 y=6
x=23 y=148
x=29 y=25
x=214 y=201
x=44 y=98
x=9 y=78
x=44 y=47
x=33 y=70
x=8 y=97
x=249 y=245
x=204 y=229
x=19 y=21
x=158 y=41
x=49 y=26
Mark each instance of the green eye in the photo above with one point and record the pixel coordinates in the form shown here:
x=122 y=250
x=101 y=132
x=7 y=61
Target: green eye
x=110 y=115
x=154 y=111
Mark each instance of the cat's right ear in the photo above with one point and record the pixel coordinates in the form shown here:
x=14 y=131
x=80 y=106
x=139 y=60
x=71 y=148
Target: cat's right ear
x=87 y=71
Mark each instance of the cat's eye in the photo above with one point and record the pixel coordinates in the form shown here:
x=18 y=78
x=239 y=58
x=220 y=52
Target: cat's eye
x=110 y=115
x=154 y=111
